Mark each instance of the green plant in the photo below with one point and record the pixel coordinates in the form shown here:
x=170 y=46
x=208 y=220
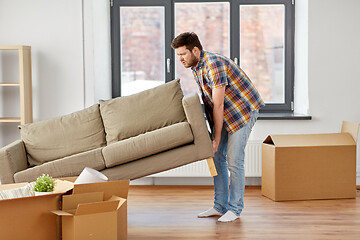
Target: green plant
x=44 y=183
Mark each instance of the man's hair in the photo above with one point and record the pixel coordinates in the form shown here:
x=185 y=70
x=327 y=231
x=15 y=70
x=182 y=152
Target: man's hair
x=187 y=39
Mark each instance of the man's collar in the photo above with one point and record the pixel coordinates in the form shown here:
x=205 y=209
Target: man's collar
x=201 y=61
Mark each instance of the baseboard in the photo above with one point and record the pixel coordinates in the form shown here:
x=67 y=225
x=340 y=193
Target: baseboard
x=200 y=181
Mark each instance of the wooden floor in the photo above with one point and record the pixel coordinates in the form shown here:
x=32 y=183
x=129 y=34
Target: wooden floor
x=170 y=212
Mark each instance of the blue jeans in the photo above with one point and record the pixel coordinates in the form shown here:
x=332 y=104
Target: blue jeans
x=230 y=155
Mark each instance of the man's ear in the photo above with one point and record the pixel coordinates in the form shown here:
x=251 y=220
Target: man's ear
x=196 y=51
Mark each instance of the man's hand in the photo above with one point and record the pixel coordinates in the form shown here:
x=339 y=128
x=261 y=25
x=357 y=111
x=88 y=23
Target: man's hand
x=215 y=145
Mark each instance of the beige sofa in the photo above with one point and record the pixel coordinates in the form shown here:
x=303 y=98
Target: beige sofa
x=124 y=138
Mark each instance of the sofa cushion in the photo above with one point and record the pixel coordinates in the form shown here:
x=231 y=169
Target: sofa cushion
x=63 y=136
x=147 y=144
x=156 y=163
x=129 y=116
x=64 y=167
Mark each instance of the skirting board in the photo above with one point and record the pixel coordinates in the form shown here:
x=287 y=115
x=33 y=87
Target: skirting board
x=198 y=181
x=208 y=181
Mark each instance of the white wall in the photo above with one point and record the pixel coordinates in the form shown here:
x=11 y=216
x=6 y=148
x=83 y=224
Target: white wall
x=327 y=60
x=54 y=31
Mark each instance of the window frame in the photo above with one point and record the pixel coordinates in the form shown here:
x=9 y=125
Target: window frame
x=169 y=5
x=289 y=34
x=116 y=39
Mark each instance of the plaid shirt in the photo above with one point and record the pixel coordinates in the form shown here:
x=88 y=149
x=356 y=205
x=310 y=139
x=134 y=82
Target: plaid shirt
x=241 y=96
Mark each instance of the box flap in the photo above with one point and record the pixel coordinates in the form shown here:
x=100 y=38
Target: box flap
x=61 y=213
x=120 y=199
x=300 y=140
x=70 y=179
x=72 y=201
x=97 y=207
x=351 y=128
x=116 y=188
x=62 y=186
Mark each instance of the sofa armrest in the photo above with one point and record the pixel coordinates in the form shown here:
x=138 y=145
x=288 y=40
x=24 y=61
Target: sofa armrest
x=12 y=159
x=195 y=117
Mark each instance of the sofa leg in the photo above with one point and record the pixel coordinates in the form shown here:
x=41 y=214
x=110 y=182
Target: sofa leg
x=212 y=169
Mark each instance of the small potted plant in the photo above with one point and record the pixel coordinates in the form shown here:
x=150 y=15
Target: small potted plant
x=44 y=185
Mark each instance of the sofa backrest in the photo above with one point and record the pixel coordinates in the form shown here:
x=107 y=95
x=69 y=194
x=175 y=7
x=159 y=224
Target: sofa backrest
x=129 y=116
x=63 y=136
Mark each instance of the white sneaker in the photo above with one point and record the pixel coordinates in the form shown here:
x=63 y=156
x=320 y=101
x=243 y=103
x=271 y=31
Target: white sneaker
x=208 y=213
x=229 y=216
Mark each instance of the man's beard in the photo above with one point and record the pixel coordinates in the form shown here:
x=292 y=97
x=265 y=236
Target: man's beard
x=192 y=62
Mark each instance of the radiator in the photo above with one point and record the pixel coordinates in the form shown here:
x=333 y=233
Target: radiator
x=200 y=168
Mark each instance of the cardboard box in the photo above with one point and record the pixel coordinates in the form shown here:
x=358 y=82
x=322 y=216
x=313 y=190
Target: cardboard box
x=95 y=211
x=30 y=217
x=310 y=166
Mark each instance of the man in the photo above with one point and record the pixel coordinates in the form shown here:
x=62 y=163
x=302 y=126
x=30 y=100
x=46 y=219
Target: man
x=232 y=105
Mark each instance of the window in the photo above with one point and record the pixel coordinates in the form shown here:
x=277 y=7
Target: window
x=141 y=66
x=256 y=34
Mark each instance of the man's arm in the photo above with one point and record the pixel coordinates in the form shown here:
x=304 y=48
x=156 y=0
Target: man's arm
x=218 y=95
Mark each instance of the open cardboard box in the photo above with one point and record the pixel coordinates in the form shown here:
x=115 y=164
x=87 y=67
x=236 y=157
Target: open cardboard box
x=95 y=211
x=310 y=166
x=30 y=217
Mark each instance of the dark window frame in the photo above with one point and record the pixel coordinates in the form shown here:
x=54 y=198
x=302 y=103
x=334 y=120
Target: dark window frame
x=169 y=5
